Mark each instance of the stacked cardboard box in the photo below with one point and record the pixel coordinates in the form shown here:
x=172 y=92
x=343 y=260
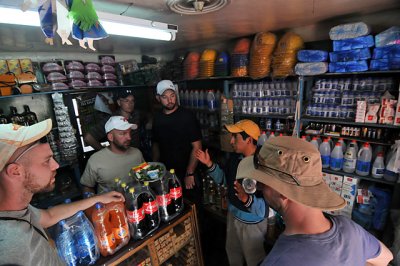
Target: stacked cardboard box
x=164 y=246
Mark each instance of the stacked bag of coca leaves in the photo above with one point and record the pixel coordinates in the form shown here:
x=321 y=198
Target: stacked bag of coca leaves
x=191 y=65
x=386 y=55
x=285 y=53
x=206 y=64
x=240 y=58
x=351 y=47
x=261 y=54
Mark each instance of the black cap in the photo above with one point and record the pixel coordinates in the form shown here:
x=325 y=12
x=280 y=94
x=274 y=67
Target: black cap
x=122 y=94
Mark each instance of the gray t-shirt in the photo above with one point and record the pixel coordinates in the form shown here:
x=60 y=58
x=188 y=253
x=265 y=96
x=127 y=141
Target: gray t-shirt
x=346 y=243
x=105 y=165
x=21 y=244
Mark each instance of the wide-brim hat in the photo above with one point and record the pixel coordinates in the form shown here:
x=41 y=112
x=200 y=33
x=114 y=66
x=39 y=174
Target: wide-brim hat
x=293 y=168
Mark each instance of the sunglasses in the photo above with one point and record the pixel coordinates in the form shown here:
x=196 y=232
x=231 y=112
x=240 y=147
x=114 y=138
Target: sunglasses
x=259 y=165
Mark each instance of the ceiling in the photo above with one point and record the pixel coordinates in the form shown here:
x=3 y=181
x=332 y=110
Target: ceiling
x=310 y=18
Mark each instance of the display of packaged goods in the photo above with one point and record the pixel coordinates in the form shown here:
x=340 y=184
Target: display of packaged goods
x=74 y=65
x=3 y=66
x=350 y=30
x=56 y=77
x=77 y=84
x=385 y=64
x=353 y=43
x=312 y=56
x=92 y=67
x=350 y=55
x=388 y=37
x=94 y=83
x=349 y=66
x=309 y=69
x=52 y=67
x=26 y=65
x=93 y=76
x=386 y=52
x=14 y=66
x=75 y=75
x=108 y=76
x=107 y=69
x=107 y=59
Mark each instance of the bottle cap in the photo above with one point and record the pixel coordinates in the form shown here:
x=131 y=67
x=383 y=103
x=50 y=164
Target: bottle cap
x=131 y=190
x=117 y=179
x=338 y=144
x=123 y=185
x=146 y=183
x=172 y=171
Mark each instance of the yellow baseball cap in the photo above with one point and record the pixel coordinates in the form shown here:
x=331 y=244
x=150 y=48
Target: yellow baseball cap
x=248 y=126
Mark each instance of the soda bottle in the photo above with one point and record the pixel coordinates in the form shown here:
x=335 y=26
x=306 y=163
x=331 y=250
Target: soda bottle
x=175 y=193
x=164 y=201
x=336 y=161
x=325 y=150
x=119 y=223
x=16 y=118
x=103 y=230
x=135 y=213
x=152 y=214
x=29 y=116
x=364 y=157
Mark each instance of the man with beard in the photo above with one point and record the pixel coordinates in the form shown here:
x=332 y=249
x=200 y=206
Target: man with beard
x=176 y=136
x=114 y=161
x=289 y=172
x=27 y=167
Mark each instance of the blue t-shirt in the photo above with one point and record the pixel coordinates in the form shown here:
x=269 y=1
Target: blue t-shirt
x=346 y=243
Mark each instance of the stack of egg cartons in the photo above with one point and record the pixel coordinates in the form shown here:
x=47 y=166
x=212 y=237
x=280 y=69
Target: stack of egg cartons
x=207 y=61
x=351 y=44
x=261 y=54
x=240 y=58
x=221 y=65
x=386 y=55
x=313 y=62
x=191 y=65
x=285 y=54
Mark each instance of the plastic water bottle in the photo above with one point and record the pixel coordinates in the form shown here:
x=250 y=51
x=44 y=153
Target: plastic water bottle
x=202 y=100
x=355 y=145
x=271 y=135
x=314 y=142
x=325 y=150
x=186 y=98
x=350 y=158
x=344 y=146
x=262 y=139
x=196 y=99
x=85 y=240
x=390 y=173
x=268 y=124
x=278 y=125
x=378 y=168
x=336 y=161
x=331 y=143
x=211 y=102
x=218 y=99
x=364 y=160
x=65 y=244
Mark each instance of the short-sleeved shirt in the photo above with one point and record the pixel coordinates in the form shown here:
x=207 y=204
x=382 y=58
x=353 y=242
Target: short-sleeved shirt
x=21 y=244
x=346 y=243
x=174 y=134
x=104 y=166
x=99 y=133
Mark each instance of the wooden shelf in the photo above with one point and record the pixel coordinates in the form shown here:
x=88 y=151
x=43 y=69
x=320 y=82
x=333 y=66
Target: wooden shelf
x=369 y=178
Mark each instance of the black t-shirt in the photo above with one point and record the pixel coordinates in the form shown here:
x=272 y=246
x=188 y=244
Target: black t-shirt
x=174 y=134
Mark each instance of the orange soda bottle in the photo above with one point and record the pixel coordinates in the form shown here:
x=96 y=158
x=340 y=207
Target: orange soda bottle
x=103 y=230
x=119 y=222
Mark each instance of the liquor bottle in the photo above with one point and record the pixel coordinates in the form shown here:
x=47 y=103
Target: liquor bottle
x=16 y=118
x=175 y=193
x=211 y=192
x=29 y=116
x=3 y=118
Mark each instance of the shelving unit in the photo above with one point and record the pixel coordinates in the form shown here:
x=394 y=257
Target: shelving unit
x=369 y=178
x=172 y=241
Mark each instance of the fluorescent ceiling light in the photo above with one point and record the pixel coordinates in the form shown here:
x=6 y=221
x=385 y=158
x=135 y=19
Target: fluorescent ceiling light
x=113 y=24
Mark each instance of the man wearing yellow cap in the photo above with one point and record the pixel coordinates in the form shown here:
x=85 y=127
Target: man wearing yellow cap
x=246 y=222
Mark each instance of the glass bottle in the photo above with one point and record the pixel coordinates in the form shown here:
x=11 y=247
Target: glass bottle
x=16 y=118
x=3 y=118
x=29 y=116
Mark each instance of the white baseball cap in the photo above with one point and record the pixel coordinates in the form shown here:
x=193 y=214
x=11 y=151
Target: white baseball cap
x=164 y=85
x=120 y=123
x=14 y=136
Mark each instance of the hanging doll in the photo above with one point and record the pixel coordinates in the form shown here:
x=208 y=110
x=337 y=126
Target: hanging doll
x=86 y=26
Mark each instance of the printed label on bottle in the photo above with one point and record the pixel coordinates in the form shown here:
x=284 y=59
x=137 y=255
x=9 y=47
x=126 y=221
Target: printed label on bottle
x=163 y=200
x=106 y=241
x=121 y=232
x=150 y=207
x=135 y=216
x=175 y=193
x=363 y=166
x=325 y=159
x=349 y=163
x=378 y=171
x=336 y=163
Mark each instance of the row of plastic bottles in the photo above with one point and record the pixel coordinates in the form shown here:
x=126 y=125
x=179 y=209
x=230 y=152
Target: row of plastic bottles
x=351 y=159
x=214 y=194
x=277 y=105
x=264 y=89
x=200 y=99
x=365 y=84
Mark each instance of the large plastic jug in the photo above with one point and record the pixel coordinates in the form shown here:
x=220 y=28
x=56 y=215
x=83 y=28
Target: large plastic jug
x=103 y=230
x=336 y=161
x=314 y=142
x=350 y=158
x=175 y=194
x=378 y=168
x=391 y=172
x=325 y=150
x=344 y=146
x=196 y=99
x=65 y=244
x=364 y=157
x=119 y=223
x=151 y=211
x=262 y=139
x=135 y=213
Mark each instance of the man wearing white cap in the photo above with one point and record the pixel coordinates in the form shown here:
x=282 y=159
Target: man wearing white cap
x=176 y=136
x=27 y=167
x=289 y=171
x=114 y=161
